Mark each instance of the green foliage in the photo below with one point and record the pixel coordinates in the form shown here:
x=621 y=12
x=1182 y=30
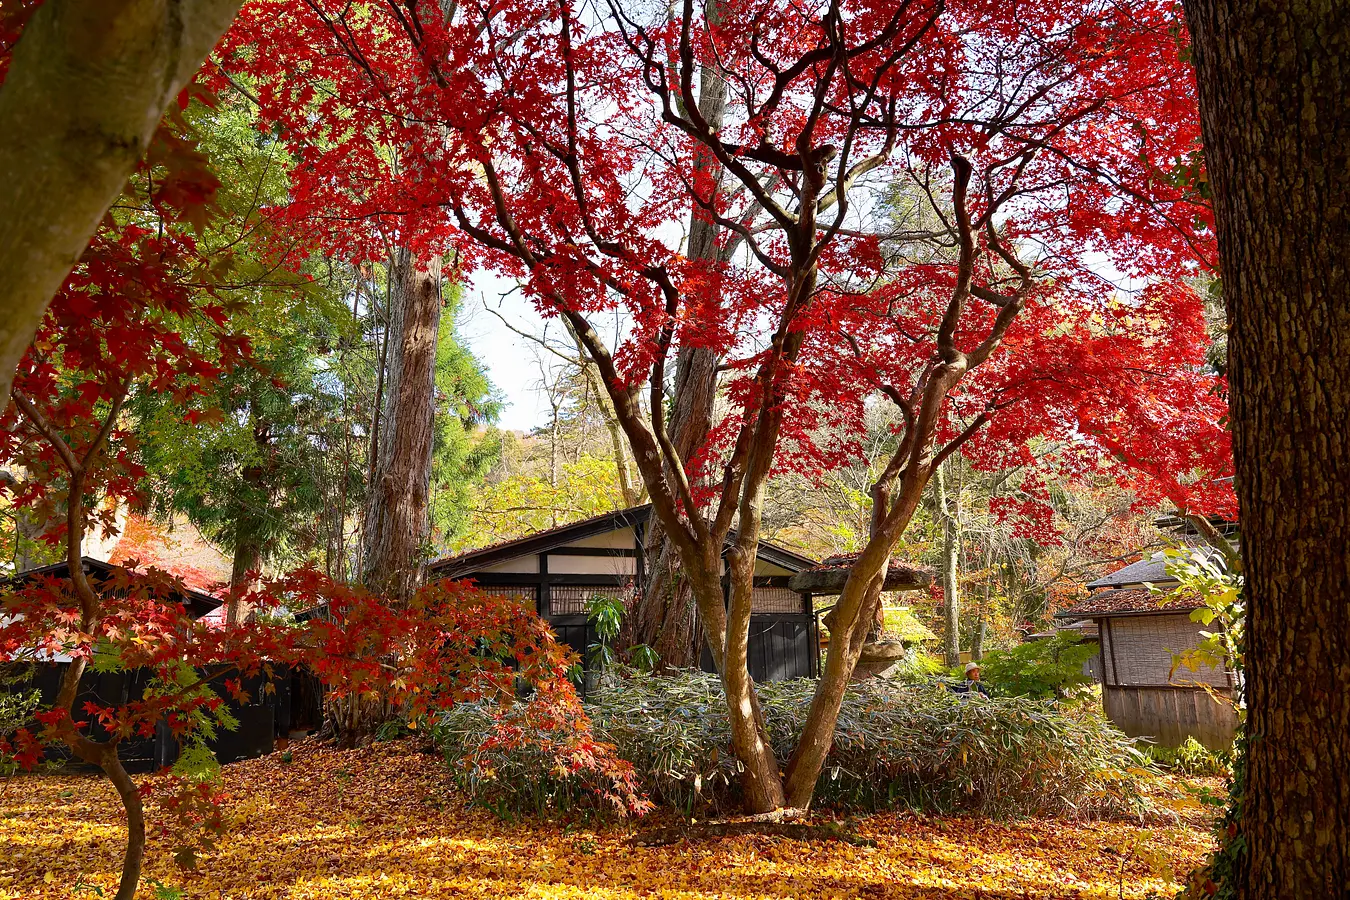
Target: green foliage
x=606 y=615
x=197 y=762
x=1043 y=669
x=197 y=697
x=524 y=503
x=918 y=668
x=462 y=451
x=643 y=658
x=17 y=706
x=1202 y=573
x=896 y=746
x=1191 y=758
x=1217 y=878
x=268 y=463
x=162 y=891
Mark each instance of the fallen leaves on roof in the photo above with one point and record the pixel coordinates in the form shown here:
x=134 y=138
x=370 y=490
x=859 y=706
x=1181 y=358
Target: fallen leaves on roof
x=386 y=822
x=1130 y=600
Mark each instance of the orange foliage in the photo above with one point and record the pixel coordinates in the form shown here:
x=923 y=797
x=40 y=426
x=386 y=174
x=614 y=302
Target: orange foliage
x=386 y=822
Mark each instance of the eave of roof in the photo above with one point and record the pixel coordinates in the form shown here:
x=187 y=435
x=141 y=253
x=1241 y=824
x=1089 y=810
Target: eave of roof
x=1150 y=570
x=543 y=541
x=200 y=603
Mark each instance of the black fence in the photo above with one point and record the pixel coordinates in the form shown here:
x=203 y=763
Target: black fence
x=265 y=716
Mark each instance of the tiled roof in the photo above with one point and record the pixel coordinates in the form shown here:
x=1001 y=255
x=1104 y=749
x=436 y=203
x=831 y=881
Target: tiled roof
x=1151 y=569
x=898 y=571
x=1128 y=602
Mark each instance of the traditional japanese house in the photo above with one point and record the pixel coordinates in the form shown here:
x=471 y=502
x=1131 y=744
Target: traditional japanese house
x=1139 y=632
x=561 y=570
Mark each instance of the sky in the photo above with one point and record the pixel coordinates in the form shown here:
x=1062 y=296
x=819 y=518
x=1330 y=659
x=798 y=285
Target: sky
x=509 y=358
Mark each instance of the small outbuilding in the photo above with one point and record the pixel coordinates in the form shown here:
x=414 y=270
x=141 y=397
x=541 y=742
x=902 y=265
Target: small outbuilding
x=1141 y=624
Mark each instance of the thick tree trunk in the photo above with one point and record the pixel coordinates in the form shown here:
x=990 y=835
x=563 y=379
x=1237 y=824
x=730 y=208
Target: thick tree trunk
x=248 y=525
x=664 y=616
x=949 y=512
x=247 y=557
x=397 y=512
x=1274 y=79
x=861 y=595
x=87 y=85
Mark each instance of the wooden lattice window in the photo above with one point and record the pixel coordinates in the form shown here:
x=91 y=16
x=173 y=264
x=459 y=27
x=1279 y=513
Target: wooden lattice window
x=575 y=599
x=527 y=593
x=776 y=600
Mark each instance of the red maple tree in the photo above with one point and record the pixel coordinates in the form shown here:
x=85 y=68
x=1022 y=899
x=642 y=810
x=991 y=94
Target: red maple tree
x=915 y=200
x=138 y=314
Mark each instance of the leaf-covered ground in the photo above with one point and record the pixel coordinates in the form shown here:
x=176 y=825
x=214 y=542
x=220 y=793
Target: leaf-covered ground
x=385 y=822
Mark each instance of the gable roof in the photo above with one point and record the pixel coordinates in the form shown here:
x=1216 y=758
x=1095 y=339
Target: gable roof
x=1129 y=602
x=198 y=603
x=543 y=541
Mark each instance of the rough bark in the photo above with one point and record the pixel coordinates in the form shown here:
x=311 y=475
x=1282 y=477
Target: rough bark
x=247 y=556
x=248 y=525
x=663 y=617
x=1274 y=79
x=397 y=512
x=948 y=512
x=87 y=85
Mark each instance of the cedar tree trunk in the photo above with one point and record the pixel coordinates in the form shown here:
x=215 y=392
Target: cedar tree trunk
x=397 y=511
x=87 y=85
x=1274 y=79
x=664 y=616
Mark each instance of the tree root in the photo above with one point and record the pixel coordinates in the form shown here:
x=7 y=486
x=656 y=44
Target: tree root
x=664 y=837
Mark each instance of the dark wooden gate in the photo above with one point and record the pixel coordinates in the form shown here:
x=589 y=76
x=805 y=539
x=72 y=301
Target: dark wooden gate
x=782 y=646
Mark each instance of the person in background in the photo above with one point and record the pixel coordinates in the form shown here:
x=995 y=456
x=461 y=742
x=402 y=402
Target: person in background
x=972 y=682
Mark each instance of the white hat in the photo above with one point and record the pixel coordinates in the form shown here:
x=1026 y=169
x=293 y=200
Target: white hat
x=972 y=666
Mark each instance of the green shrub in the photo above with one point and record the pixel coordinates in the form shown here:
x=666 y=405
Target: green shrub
x=1043 y=669
x=918 y=668
x=896 y=746
x=1191 y=758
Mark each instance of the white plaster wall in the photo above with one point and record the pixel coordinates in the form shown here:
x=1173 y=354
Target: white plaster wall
x=526 y=565
x=621 y=539
x=592 y=565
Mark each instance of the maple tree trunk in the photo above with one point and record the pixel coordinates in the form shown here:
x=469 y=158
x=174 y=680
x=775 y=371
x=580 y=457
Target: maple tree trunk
x=663 y=617
x=951 y=585
x=130 y=796
x=860 y=597
x=87 y=85
x=397 y=511
x=1274 y=81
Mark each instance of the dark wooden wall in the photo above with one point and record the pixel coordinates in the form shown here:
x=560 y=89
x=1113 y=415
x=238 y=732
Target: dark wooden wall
x=781 y=647
x=261 y=719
